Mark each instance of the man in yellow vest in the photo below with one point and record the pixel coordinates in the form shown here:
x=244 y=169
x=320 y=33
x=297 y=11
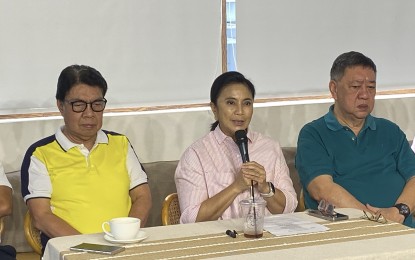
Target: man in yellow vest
x=81 y=176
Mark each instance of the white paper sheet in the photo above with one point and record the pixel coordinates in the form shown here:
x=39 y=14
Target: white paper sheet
x=288 y=224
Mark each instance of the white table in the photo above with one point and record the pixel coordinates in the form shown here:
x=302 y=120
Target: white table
x=401 y=246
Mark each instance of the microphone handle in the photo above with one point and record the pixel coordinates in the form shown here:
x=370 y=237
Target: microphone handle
x=243 y=148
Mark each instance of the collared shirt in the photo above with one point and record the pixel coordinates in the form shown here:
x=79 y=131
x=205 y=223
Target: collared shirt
x=373 y=166
x=4 y=181
x=210 y=165
x=85 y=187
x=3 y=178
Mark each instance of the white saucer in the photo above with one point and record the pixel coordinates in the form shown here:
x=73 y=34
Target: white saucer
x=140 y=236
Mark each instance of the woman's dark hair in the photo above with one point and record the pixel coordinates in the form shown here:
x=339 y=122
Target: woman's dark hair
x=79 y=74
x=224 y=80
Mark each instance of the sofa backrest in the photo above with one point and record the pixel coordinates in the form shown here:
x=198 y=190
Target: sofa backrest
x=289 y=155
x=161 y=182
x=13 y=233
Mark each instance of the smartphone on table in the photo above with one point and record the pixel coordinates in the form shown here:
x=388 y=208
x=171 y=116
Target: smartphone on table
x=98 y=248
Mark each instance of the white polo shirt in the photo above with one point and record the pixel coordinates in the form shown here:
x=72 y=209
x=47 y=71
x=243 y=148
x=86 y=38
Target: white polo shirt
x=3 y=178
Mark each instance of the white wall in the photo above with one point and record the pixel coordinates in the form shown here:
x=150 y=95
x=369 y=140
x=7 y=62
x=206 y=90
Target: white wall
x=288 y=46
x=146 y=50
x=165 y=135
x=163 y=52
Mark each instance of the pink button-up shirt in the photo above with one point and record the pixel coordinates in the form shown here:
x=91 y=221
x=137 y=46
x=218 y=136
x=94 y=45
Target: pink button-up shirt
x=210 y=164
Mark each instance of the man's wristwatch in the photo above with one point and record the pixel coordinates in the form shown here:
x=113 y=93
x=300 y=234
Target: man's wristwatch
x=403 y=209
x=271 y=191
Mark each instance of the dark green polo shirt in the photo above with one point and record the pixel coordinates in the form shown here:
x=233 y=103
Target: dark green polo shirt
x=373 y=166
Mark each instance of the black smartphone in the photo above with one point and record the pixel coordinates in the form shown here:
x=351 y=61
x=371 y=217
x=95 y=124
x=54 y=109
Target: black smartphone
x=318 y=214
x=98 y=248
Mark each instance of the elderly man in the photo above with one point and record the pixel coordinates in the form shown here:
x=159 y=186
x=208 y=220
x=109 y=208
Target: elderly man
x=352 y=159
x=81 y=176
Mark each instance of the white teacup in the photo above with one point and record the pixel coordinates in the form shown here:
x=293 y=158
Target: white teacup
x=122 y=228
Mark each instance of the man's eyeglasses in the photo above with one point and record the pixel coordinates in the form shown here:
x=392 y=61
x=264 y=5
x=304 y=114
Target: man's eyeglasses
x=79 y=106
x=377 y=217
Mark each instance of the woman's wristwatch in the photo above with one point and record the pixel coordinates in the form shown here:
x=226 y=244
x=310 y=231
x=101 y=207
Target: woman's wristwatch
x=271 y=191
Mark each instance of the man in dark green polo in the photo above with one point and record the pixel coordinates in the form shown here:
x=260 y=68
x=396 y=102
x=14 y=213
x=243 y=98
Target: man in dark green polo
x=352 y=159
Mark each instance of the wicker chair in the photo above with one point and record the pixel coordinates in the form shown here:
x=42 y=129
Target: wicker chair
x=1 y=226
x=170 y=211
x=32 y=234
x=301 y=202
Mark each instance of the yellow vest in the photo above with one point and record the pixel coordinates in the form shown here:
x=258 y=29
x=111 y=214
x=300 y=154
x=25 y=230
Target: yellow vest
x=87 y=191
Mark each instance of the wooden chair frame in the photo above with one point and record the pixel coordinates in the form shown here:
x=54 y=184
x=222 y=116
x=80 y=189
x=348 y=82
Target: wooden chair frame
x=32 y=234
x=301 y=202
x=1 y=225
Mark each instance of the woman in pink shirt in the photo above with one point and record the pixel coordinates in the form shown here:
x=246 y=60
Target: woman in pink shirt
x=211 y=179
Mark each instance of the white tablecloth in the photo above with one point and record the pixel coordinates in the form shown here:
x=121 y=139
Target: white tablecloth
x=391 y=247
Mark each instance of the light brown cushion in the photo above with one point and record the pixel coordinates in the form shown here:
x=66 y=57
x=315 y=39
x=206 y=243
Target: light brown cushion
x=289 y=154
x=14 y=233
x=161 y=182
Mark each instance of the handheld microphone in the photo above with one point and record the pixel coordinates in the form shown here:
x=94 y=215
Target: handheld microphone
x=242 y=142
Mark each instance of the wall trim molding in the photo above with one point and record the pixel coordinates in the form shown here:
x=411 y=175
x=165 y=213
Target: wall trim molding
x=52 y=114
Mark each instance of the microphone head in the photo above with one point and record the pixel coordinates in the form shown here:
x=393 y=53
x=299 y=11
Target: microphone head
x=240 y=137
